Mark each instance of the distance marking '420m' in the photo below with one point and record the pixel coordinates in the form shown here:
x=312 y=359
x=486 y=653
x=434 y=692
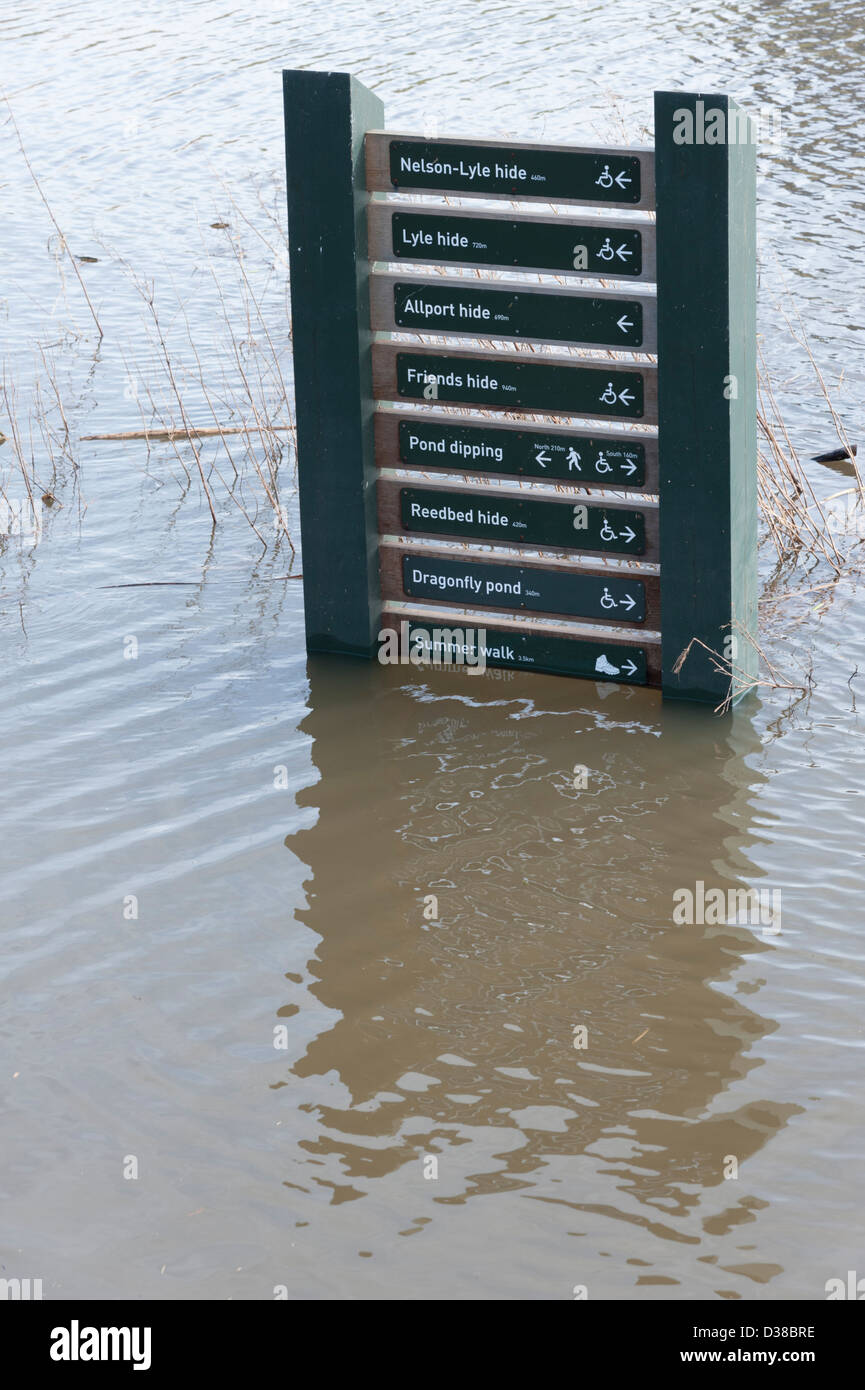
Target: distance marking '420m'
x=574 y=526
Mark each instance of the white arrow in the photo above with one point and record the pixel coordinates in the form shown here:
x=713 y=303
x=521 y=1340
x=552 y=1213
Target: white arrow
x=627 y=535
x=629 y=667
x=629 y=467
x=622 y=179
x=624 y=323
x=631 y=602
x=622 y=253
x=542 y=458
x=625 y=397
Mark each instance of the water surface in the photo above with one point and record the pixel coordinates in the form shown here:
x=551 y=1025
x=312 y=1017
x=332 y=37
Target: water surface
x=279 y=826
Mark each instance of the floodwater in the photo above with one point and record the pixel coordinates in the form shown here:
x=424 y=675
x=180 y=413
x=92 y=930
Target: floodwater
x=277 y=933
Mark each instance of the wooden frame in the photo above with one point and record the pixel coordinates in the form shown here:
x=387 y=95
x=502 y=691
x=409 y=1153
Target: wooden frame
x=707 y=333
x=326 y=117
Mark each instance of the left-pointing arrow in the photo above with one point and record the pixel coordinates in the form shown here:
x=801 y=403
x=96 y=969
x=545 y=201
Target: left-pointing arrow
x=624 y=323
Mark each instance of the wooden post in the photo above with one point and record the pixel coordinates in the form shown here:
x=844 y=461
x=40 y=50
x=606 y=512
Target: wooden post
x=706 y=257
x=327 y=115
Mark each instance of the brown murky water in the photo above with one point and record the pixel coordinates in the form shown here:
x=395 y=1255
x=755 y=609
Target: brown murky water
x=390 y=874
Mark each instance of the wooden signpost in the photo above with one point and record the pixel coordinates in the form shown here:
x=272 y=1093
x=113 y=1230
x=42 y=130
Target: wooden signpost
x=580 y=500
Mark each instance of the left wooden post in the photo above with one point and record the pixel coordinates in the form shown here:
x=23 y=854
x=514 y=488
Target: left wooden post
x=327 y=115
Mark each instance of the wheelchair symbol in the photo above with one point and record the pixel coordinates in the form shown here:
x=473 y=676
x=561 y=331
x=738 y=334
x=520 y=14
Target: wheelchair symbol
x=606 y=178
x=607 y=532
x=606 y=252
x=602 y=465
x=609 y=397
x=607 y=600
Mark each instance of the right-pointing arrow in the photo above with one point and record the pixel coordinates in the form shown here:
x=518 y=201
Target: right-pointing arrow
x=627 y=535
x=629 y=467
x=629 y=667
x=628 y=601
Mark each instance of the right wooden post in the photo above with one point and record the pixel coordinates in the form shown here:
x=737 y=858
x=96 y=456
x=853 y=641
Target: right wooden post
x=705 y=151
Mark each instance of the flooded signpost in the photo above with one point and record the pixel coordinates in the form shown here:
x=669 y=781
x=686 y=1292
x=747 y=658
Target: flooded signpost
x=634 y=425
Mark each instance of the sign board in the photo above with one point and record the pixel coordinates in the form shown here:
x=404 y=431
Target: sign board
x=507 y=381
x=612 y=530
x=615 y=250
x=538 y=651
x=519 y=586
x=487 y=169
x=452 y=306
x=590 y=483
x=556 y=454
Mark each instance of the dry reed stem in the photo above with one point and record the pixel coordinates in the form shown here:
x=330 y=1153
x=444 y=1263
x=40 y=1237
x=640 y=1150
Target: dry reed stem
x=63 y=242
x=741 y=681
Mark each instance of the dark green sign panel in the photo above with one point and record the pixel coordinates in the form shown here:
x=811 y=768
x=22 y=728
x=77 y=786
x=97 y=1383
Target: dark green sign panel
x=530 y=453
x=562 y=656
x=488 y=517
x=513 y=586
x=539 y=245
x=521 y=385
x=451 y=308
x=596 y=178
